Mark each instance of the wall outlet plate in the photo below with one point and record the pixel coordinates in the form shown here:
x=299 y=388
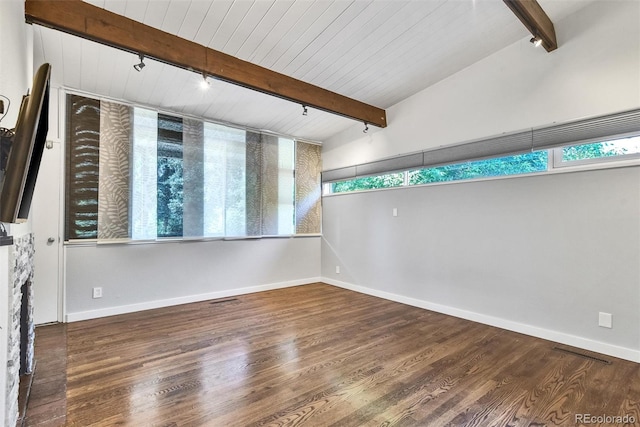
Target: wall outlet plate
x=605 y=320
x=97 y=292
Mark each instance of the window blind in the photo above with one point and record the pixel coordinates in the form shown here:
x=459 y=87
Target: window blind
x=611 y=126
x=113 y=178
x=308 y=188
x=83 y=159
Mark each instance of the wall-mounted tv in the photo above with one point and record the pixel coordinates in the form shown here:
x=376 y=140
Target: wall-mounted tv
x=21 y=161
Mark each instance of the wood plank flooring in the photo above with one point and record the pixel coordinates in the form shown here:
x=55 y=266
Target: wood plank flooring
x=314 y=355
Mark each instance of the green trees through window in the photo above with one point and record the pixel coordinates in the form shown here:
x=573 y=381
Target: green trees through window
x=170 y=176
x=369 y=183
x=511 y=165
x=599 y=150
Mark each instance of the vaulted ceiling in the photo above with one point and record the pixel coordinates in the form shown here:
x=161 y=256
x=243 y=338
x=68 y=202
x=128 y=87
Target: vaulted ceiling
x=376 y=51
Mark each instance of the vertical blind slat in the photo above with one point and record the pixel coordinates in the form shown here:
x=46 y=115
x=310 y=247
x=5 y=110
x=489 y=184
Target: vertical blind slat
x=83 y=132
x=113 y=188
x=308 y=185
x=193 y=158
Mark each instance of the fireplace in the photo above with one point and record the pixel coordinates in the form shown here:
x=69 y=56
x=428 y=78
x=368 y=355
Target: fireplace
x=21 y=327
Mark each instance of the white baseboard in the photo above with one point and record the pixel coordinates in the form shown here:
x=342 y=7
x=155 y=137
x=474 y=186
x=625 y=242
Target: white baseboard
x=148 y=305
x=547 y=334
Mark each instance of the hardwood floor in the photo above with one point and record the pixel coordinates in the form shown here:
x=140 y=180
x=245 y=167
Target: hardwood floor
x=315 y=355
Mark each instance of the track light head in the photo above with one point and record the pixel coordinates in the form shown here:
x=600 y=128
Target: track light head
x=537 y=41
x=366 y=128
x=140 y=66
x=304 y=110
x=204 y=84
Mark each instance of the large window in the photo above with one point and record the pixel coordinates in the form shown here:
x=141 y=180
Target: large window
x=136 y=174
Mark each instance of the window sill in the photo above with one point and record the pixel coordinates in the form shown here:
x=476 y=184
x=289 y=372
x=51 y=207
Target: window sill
x=122 y=242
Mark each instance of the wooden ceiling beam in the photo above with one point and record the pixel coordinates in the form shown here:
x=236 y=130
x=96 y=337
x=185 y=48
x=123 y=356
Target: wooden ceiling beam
x=536 y=20
x=99 y=25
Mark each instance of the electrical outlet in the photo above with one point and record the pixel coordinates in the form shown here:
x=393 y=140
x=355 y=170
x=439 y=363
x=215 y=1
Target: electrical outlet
x=395 y=211
x=97 y=292
x=605 y=320
x=337 y=269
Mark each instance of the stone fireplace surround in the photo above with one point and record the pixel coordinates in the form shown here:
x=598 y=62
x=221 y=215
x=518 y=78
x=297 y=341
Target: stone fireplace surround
x=21 y=268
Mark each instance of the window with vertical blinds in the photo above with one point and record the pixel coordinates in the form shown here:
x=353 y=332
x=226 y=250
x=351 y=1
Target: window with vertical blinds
x=136 y=174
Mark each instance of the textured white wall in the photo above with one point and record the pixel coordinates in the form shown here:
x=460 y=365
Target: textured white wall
x=596 y=70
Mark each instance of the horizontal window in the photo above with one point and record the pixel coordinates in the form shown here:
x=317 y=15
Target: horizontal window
x=595 y=152
x=501 y=166
x=511 y=165
x=369 y=183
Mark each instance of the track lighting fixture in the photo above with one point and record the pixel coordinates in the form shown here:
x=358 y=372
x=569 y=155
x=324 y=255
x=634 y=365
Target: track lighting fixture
x=366 y=128
x=204 y=84
x=140 y=66
x=536 y=40
x=304 y=110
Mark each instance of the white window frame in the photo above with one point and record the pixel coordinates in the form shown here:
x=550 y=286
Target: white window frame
x=558 y=163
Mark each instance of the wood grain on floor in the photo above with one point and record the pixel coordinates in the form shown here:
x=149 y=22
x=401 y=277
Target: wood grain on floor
x=314 y=355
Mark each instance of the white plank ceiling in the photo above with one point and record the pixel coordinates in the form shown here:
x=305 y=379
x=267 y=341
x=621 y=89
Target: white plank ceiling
x=377 y=51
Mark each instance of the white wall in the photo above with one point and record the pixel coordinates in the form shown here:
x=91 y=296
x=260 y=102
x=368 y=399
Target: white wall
x=137 y=277
x=596 y=70
x=541 y=255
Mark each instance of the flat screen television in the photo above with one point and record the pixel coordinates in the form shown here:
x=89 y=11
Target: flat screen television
x=21 y=161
